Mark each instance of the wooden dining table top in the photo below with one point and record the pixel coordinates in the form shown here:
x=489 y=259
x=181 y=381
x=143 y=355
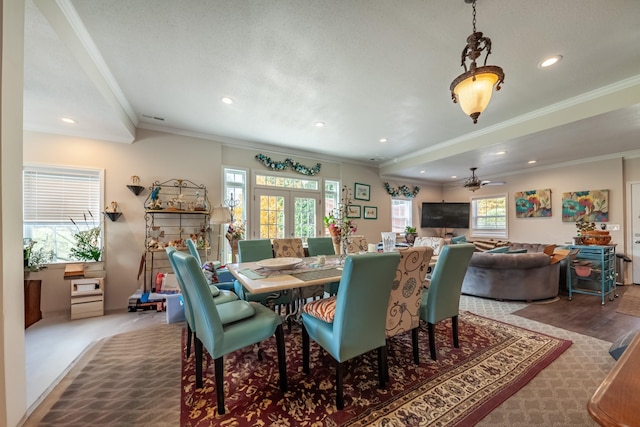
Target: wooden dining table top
x=307 y=273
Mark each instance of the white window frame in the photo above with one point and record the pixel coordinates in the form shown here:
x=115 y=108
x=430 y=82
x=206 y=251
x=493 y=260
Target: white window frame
x=408 y=221
x=57 y=215
x=489 y=232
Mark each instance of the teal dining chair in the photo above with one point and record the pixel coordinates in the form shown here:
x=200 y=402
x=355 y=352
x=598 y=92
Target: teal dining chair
x=219 y=339
x=323 y=246
x=193 y=250
x=356 y=324
x=257 y=250
x=219 y=297
x=442 y=299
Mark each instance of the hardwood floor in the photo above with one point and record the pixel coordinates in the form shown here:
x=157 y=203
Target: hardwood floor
x=584 y=314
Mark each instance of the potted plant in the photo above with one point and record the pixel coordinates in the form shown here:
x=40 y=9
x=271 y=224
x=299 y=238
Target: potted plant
x=410 y=234
x=35 y=259
x=88 y=245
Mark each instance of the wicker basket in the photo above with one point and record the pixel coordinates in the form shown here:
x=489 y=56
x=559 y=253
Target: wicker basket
x=596 y=238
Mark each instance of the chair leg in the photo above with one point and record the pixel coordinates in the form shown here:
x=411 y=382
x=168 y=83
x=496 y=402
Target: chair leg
x=189 y=332
x=416 y=352
x=432 y=340
x=383 y=367
x=339 y=395
x=454 y=330
x=305 y=350
x=198 y=351
x=219 y=367
x=282 y=362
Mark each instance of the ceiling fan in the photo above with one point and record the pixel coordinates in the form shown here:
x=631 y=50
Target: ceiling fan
x=474 y=183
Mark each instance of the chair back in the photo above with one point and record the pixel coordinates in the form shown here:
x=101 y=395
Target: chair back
x=403 y=312
x=254 y=250
x=288 y=248
x=357 y=244
x=320 y=246
x=361 y=303
x=206 y=317
x=193 y=250
x=188 y=312
x=443 y=296
x=436 y=243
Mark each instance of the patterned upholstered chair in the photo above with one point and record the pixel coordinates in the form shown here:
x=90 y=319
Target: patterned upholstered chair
x=293 y=248
x=403 y=313
x=355 y=325
x=435 y=243
x=357 y=244
x=442 y=299
x=323 y=246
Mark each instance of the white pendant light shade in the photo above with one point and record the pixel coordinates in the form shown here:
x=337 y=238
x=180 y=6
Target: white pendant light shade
x=474 y=95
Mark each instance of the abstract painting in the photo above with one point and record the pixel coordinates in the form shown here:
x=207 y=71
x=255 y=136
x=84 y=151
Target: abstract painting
x=587 y=206
x=533 y=203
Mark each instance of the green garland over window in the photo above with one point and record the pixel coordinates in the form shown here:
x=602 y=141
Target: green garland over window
x=288 y=163
x=403 y=190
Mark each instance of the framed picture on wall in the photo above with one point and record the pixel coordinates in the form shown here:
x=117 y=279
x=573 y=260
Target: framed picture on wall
x=354 y=211
x=370 y=212
x=362 y=191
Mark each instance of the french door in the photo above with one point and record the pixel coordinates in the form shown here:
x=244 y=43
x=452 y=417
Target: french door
x=281 y=213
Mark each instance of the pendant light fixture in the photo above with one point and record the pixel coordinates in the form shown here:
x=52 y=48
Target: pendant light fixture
x=473 y=88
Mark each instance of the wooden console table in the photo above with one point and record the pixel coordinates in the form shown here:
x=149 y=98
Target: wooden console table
x=615 y=402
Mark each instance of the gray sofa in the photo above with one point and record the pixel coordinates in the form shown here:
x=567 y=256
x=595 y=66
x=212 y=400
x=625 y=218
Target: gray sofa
x=513 y=276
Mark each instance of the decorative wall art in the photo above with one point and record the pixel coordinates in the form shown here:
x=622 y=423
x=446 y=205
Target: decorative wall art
x=362 y=191
x=533 y=203
x=370 y=212
x=354 y=211
x=587 y=206
x=288 y=163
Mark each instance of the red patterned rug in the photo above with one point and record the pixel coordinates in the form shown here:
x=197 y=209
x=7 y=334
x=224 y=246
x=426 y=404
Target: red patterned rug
x=493 y=362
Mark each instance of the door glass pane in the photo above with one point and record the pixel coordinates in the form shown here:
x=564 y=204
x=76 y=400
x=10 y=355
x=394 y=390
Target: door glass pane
x=304 y=217
x=271 y=217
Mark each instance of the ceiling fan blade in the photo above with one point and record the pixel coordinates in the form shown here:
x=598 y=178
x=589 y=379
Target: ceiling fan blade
x=492 y=183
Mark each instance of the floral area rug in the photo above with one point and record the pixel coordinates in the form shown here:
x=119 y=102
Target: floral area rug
x=493 y=362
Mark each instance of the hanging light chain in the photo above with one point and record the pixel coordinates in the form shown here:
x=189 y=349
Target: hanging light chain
x=474 y=15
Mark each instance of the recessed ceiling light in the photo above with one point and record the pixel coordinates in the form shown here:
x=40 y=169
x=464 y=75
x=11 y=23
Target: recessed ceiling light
x=383 y=140
x=423 y=171
x=547 y=62
x=226 y=100
x=319 y=124
x=68 y=120
x=531 y=162
x=454 y=176
x=501 y=152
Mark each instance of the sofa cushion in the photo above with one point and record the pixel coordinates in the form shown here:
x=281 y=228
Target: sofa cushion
x=498 y=250
x=458 y=240
x=505 y=261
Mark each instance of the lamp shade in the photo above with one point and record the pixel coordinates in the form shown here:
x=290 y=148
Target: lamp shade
x=220 y=215
x=474 y=95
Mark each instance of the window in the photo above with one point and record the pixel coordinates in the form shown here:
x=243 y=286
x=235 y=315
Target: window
x=400 y=214
x=331 y=199
x=235 y=188
x=489 y=216
x=52 y=196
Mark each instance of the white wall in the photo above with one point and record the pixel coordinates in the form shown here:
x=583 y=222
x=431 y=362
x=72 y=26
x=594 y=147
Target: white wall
x=159 y=156
x=599 y=175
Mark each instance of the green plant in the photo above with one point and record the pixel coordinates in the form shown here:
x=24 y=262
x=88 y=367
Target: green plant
x=409 y=229
x=35 y=259
x=88 y=246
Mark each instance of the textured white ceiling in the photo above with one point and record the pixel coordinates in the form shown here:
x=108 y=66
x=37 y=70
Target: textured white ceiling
x=367 y=68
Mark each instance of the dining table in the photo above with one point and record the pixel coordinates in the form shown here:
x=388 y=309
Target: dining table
x=288 y=275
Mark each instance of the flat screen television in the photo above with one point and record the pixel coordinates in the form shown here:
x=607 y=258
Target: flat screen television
x=445 y=215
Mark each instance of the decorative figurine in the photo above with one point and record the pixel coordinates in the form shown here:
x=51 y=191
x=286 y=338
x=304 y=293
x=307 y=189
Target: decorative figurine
x=135 y=180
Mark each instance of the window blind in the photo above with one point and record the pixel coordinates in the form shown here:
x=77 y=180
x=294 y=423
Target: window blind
x=54 y=195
